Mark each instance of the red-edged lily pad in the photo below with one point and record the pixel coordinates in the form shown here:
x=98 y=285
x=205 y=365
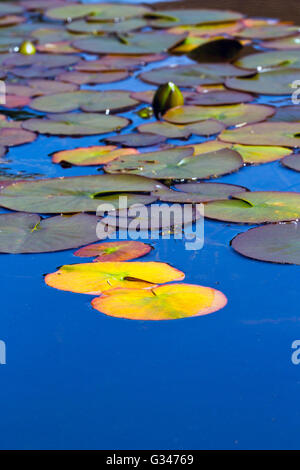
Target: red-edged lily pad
x=87 y=156
x=265 y=133
x=292 y=162
x=114 y=251
x=136 y=140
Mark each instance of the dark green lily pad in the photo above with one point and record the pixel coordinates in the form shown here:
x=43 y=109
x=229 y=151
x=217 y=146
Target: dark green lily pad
x=136 y=140
x=40 y=60
x=7 y=8
x=262 y=60
x=83 y=78
x=178 y=163
x=80 y=193
x=265 y=133
x=92 y=27
x=268 y=32
x=287 y=114
x=219 y=97
x=85 y=100
x=139 y=43
x=170 y=18
x=175 y=131
x=193 y=75
x=276 y=82
x=274 y=243
x=76 y=124
x=292 y=162
x=229 y=115
x=98 y=11
x=28 y=233
x=256 y=207
x=199 y=192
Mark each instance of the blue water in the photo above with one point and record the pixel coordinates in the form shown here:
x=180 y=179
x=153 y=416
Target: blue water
x=77 y=379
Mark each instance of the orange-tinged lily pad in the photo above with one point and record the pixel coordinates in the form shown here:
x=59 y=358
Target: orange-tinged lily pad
x=114 y=251
x=87 y=156
x=168 y=302
x=95 y=278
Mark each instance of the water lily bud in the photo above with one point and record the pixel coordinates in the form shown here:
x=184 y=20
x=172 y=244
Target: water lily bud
x=27 y=48
x=167 y=96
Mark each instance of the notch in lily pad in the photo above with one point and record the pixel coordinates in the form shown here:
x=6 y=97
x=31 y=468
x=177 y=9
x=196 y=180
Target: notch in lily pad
x=167 y=96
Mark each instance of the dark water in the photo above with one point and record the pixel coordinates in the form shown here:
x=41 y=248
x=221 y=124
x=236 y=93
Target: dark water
x=77 y=379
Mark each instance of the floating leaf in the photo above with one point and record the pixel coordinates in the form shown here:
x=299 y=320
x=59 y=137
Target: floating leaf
x=200 y=192
x=285 y=44
x=265 y=133
x=136 y=140
x=83 y=78
x=98 y=11
x=275 y=243
x=85 y=100
x=74 y=194
x=38 y=87
x=292 y=162
x=229 y=115
x=95 y=278
x=284 y=59
x=11 y=20
x=3 y=151
x=14 y=101
x=114 y=251
x=10 y=9
x=138 y=43
x=268 y=32
x=193 y=75
x=76 y=124
x=169 y=302
x=28 y=233
x=256 y=207
x=9 y=137
x=219 y=97
x=287 y=114
x=86 y=156
x=117 y=62
x=175 y=131
x=40 y=60
x=208 y=30
x=177 y=163
x=61 y=47
x=92 y=27
x=276 y=82
x=169 y=18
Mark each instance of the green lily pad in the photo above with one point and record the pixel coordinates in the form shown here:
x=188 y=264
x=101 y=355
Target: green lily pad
x=136 y=140
x=267 y=32
x=28 y=233
x=290 y=43
x=91 y=27
x=175 y=131
x=262 y=60
x=199 y=192
x=219 y=97
x=74 y=194
x=38 y=87
x=229 y=115
x=87 y=156
x=83 y=78
x=138 y=43
x=287 y=114
x=98 y=11
x=40 y=60
x=169 y=18
x=276 y=82
x=178 y=163
x=256 y=207
x=274 y=243
x=76 y=124
x=264 y=133
x=115 y=62
x=9 y=9
x=85 y=100
x=41 y=5
x=292 y=162
x=193 y=75
x=36 y=72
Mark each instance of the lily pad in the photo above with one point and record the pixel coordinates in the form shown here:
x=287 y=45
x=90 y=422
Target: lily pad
x=10 y=9
x=276 y=82
x=264 y=60
x=92 y=27
x=193 y=75
x=265 y=133
x=114 y=251
x=87 y=156
x=292 y=162
x=169 y=18
x=177 y=131
x=138 y=43
x=115 y=62
x=40 y=60
x=136 y=140
x=219 y=97
x=98 y=11
x=14 y=101
x=28 y=233
x=76 y=124
x=83 y=78
x=287 y=114
x=290 y=43
x=169 y=302
x=85 y=100
x=229 y=115
x=38 y=87
x=256 y=207
x=95 y=278
x=275 y=243
x=178 y=163
x=10 y=137
x=268 y=32
x=199 y=192
x=208 y=30
x=74 y=194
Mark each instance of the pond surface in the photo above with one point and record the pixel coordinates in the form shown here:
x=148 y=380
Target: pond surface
x=77 y=379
